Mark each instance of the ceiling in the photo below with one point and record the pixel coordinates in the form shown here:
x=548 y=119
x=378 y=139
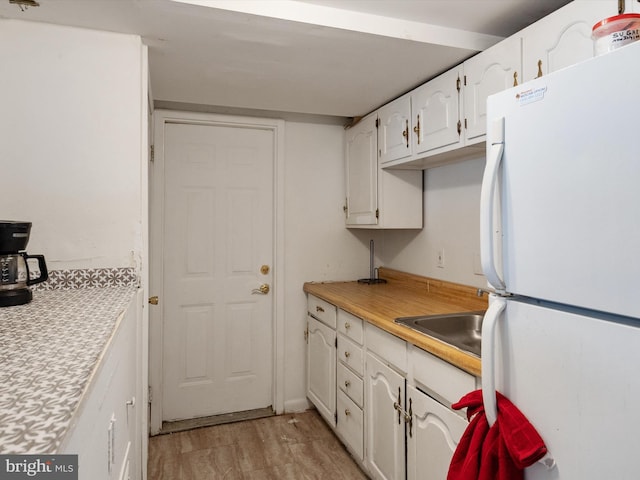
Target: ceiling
x=333 y=58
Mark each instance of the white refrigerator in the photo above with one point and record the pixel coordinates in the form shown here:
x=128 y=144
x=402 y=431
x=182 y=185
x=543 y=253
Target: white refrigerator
x=560 y=244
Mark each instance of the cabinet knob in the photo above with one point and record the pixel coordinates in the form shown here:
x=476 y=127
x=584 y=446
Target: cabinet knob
x=153 y=300
x=347 y=354
x=319 y=309
x=515 y=79
x=347 y=325
x=347 y=383
x=347 y=412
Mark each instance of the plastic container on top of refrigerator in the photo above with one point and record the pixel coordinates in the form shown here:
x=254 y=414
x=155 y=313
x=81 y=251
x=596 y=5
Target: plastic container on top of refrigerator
x=615 y=32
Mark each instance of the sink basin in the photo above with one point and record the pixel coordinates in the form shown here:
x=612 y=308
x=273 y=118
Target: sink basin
x=462 y=330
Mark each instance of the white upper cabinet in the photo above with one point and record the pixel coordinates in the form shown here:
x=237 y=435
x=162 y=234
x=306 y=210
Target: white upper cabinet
x=489 y=72
x=436 y=109
x=362 y=173
x=420 y=129
x=562 y=38
x=395 y=130
x=376 y=198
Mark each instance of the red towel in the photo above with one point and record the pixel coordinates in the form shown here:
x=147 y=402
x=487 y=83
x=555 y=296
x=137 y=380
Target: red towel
x=497 y=453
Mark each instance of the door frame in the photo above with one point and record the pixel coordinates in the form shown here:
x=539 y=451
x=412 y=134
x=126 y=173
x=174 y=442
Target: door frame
x=156 y=248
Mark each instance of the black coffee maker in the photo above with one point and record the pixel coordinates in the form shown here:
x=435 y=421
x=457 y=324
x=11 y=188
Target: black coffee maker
x=15 y=276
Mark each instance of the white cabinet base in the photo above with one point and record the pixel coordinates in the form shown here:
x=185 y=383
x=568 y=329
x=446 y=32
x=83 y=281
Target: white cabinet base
x=321 y=368
x=434 y=435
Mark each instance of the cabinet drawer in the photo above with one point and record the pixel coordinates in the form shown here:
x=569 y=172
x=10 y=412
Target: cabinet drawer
x=350 y=424
x=351 y=384
x=350 y=353
x=442 y=379
x=323 y=311
x=350 y=326
x=385 y=345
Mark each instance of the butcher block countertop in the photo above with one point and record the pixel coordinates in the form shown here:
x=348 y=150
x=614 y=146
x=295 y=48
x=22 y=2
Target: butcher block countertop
x=406 y=295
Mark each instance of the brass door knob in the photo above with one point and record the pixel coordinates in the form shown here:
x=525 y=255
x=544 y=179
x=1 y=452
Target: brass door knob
x=153 y=300
x=262 y=290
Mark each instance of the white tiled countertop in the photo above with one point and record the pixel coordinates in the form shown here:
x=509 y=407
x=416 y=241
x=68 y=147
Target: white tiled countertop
x=49 y=350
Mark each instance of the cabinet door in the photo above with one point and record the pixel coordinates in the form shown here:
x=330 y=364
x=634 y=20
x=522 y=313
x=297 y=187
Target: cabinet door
x=489 y=72
x=362 y=172
x=432 y=437
x=562 y=38
x=394 y=130
x=436 y=112
x=385 y=442
x=321 y=368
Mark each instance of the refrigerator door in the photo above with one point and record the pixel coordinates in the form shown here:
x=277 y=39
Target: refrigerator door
x=568 y=186
x=575 y=378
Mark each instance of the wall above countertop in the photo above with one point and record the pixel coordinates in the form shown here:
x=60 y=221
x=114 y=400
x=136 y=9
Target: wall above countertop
x=73 y=124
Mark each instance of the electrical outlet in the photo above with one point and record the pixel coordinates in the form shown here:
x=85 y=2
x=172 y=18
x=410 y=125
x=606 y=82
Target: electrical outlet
x=440 y=258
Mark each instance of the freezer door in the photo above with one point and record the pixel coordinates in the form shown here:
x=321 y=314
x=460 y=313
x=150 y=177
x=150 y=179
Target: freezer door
x=575 y=379
x=568 y=185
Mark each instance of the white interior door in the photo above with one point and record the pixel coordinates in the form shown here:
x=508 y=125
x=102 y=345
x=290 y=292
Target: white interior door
x=218 y=233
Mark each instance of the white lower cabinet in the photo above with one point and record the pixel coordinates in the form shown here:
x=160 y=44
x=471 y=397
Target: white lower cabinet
x=350 y=424
x=432 y=436
x=384 y=397
x=350 y=391
x=321 y=368
x=107 y=424
x=388 y=401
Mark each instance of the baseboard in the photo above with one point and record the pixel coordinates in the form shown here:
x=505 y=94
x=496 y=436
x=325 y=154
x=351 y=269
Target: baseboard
x=297 y=405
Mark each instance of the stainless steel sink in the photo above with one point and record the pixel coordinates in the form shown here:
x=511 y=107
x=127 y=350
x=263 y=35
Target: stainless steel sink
x=463 y=330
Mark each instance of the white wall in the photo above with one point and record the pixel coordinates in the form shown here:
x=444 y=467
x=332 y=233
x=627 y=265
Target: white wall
x=70 y=124
x=319 y=248
x=317 y=245
x=451 y=222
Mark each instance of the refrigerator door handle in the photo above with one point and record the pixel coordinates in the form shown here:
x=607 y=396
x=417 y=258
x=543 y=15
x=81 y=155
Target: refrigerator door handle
x=496 y=307
x=487 y=205
x=489 y=323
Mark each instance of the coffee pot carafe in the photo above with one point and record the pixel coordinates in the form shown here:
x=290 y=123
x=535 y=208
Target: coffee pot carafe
x=15 y=273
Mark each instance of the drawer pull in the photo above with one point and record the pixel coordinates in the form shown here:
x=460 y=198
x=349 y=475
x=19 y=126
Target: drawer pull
x=347 y=412
x=347 y=325
x=347 y=354
x=347 y=383
x=319 y=309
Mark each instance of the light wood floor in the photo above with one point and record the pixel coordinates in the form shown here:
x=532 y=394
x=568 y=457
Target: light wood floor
x=293 y=446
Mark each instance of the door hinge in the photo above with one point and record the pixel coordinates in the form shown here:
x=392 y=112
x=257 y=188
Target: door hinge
x=377 y=122
x=345 y=207
x=152 y=153
x=336 y=342
x=459 y=127
x=150 y=395
x=465 y=123
x=377 y=213
x=335 y=416
x=458 y=84
x=306 y=334
x=465 y=80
